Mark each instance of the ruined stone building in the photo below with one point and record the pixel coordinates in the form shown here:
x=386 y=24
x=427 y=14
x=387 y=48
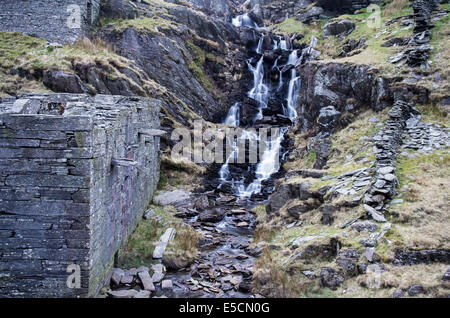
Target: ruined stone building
x=59 y=21
x=76 y=175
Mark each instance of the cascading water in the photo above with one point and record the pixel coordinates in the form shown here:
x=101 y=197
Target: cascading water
x=233 y=116
x=294 y=86
x=244 y=20
x=261 y=91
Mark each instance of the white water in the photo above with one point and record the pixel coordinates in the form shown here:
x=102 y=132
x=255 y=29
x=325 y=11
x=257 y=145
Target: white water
x=292 y=97
x=270 y=164
x=270 y=159
x=260 y=91
x=233 y=116
x=293 y=58
x=244 y=20
x=260 y=44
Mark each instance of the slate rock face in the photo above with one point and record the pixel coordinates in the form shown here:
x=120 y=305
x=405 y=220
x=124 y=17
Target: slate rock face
x=59 y=81
x=338 y=28
x=337 y=84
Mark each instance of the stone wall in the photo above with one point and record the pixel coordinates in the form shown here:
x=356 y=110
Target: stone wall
x=76 y=175
x=52 y=20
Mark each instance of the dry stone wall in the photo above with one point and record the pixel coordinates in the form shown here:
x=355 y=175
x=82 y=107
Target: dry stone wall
x=76 y=175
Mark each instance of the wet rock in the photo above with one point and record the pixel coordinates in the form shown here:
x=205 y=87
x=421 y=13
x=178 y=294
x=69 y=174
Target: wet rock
x=330 y=278
x=212 y=216
x=415 y=290
x=202 y=203
x=175 y=198
x=338 y=28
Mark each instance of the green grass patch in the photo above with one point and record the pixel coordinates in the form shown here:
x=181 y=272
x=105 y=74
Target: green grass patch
x=141 y=244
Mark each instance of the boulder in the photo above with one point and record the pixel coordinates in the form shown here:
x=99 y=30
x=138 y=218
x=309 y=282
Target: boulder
x=176 y=198
x=415 y=290
x=61 y=82
x=328 y=119
x=308 y=16
x=338 y=28
x=212 y=216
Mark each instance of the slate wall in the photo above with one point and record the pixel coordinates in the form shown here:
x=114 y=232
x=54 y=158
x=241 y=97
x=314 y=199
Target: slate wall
x=49 y=19
x=76 y=174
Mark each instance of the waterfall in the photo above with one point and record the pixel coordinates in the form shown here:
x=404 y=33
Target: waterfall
x=270 y=158
x=233 y=116
x=270 y=164
x=292 y=95
x=244 y=20
x=260 y=91
x=260 y=44
x=293 y=58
